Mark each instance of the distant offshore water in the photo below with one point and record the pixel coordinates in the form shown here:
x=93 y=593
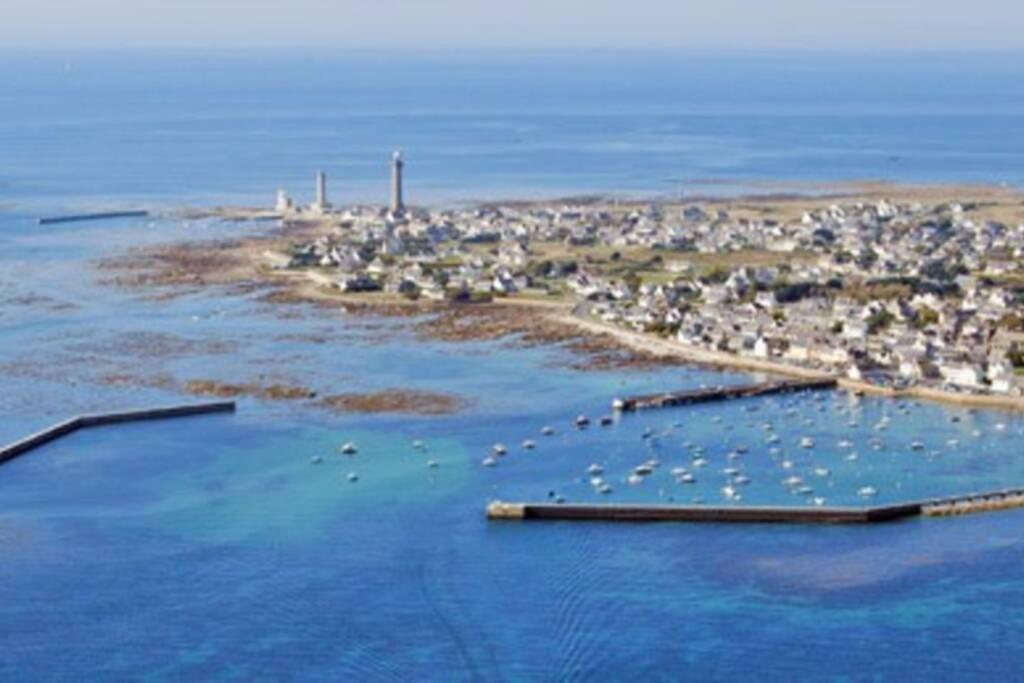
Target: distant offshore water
x=172 y=128
x=213 y=549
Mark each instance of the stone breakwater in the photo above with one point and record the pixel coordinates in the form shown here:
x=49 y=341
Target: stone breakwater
x=74 y=424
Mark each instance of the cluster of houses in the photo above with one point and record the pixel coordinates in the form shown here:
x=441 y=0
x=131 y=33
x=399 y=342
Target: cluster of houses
x=893 y=293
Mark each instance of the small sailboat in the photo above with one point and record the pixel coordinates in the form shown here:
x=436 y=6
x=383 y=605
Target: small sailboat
x=730 y=493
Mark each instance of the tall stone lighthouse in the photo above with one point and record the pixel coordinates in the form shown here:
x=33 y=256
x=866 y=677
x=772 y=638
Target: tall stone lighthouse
x=397 y=200
x=321 y=205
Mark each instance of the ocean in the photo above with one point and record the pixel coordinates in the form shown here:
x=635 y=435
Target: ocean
x=215 y=549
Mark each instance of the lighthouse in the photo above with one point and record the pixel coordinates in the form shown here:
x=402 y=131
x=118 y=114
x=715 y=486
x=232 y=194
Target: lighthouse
x=321 y=205
x=397 y=201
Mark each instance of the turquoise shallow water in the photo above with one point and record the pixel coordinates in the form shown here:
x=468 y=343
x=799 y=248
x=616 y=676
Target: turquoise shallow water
x=212 y=548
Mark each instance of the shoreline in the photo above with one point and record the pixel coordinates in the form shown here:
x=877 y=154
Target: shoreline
x=725 y=360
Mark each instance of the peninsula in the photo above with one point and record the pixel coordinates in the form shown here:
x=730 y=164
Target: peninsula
x=893 y=289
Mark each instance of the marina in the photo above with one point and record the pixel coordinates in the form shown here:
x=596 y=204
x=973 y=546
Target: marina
x=207 y=549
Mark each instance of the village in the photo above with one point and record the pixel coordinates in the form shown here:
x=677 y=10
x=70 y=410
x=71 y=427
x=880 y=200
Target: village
x=893 y=293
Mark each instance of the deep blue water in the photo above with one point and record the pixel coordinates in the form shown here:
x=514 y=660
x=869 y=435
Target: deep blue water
x=81 y=128
x=213 y=549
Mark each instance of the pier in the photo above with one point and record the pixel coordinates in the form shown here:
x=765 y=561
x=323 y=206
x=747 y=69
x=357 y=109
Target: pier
x=738 y=514
x=725 y=393
x=78 y=217
x=74 y=424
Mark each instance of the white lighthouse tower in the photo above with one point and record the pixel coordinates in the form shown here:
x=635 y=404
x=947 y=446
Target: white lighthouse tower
x=397 y=200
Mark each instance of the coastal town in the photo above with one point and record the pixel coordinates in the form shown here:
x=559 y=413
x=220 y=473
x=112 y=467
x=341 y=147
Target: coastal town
x=890 y=293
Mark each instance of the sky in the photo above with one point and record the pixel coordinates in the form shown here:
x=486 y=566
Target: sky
x=830 y=25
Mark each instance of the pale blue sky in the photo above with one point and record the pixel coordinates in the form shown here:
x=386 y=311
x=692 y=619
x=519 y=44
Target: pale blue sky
x=701 y=24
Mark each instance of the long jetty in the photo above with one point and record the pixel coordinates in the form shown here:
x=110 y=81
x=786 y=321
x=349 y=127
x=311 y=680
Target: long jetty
x=721 y=393
x=77 y=217
x=74 y=424
x=939 y=507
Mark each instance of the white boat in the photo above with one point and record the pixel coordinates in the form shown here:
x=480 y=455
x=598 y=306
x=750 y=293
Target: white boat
x=489 y=462
x=634 y=480
x=643 y=470
x=547 y=431
x=917 y=446
x=807 y=442
x=605 y=489
x=353 y=477
x=741 y=480
x=687 y=479
x=432 y=464
x=793 y=482
x=582 y=421
x=499 y=449
x=678 y=471
x=349 y=449
x=867 y=492
x=595 y=470
x=822 y=471
x=700 y=462
x=730 y=493
x=316 y=460
x=418 y=445
x=529 y=445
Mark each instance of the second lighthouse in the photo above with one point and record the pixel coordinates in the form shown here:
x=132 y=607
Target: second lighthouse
x=397 y=200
